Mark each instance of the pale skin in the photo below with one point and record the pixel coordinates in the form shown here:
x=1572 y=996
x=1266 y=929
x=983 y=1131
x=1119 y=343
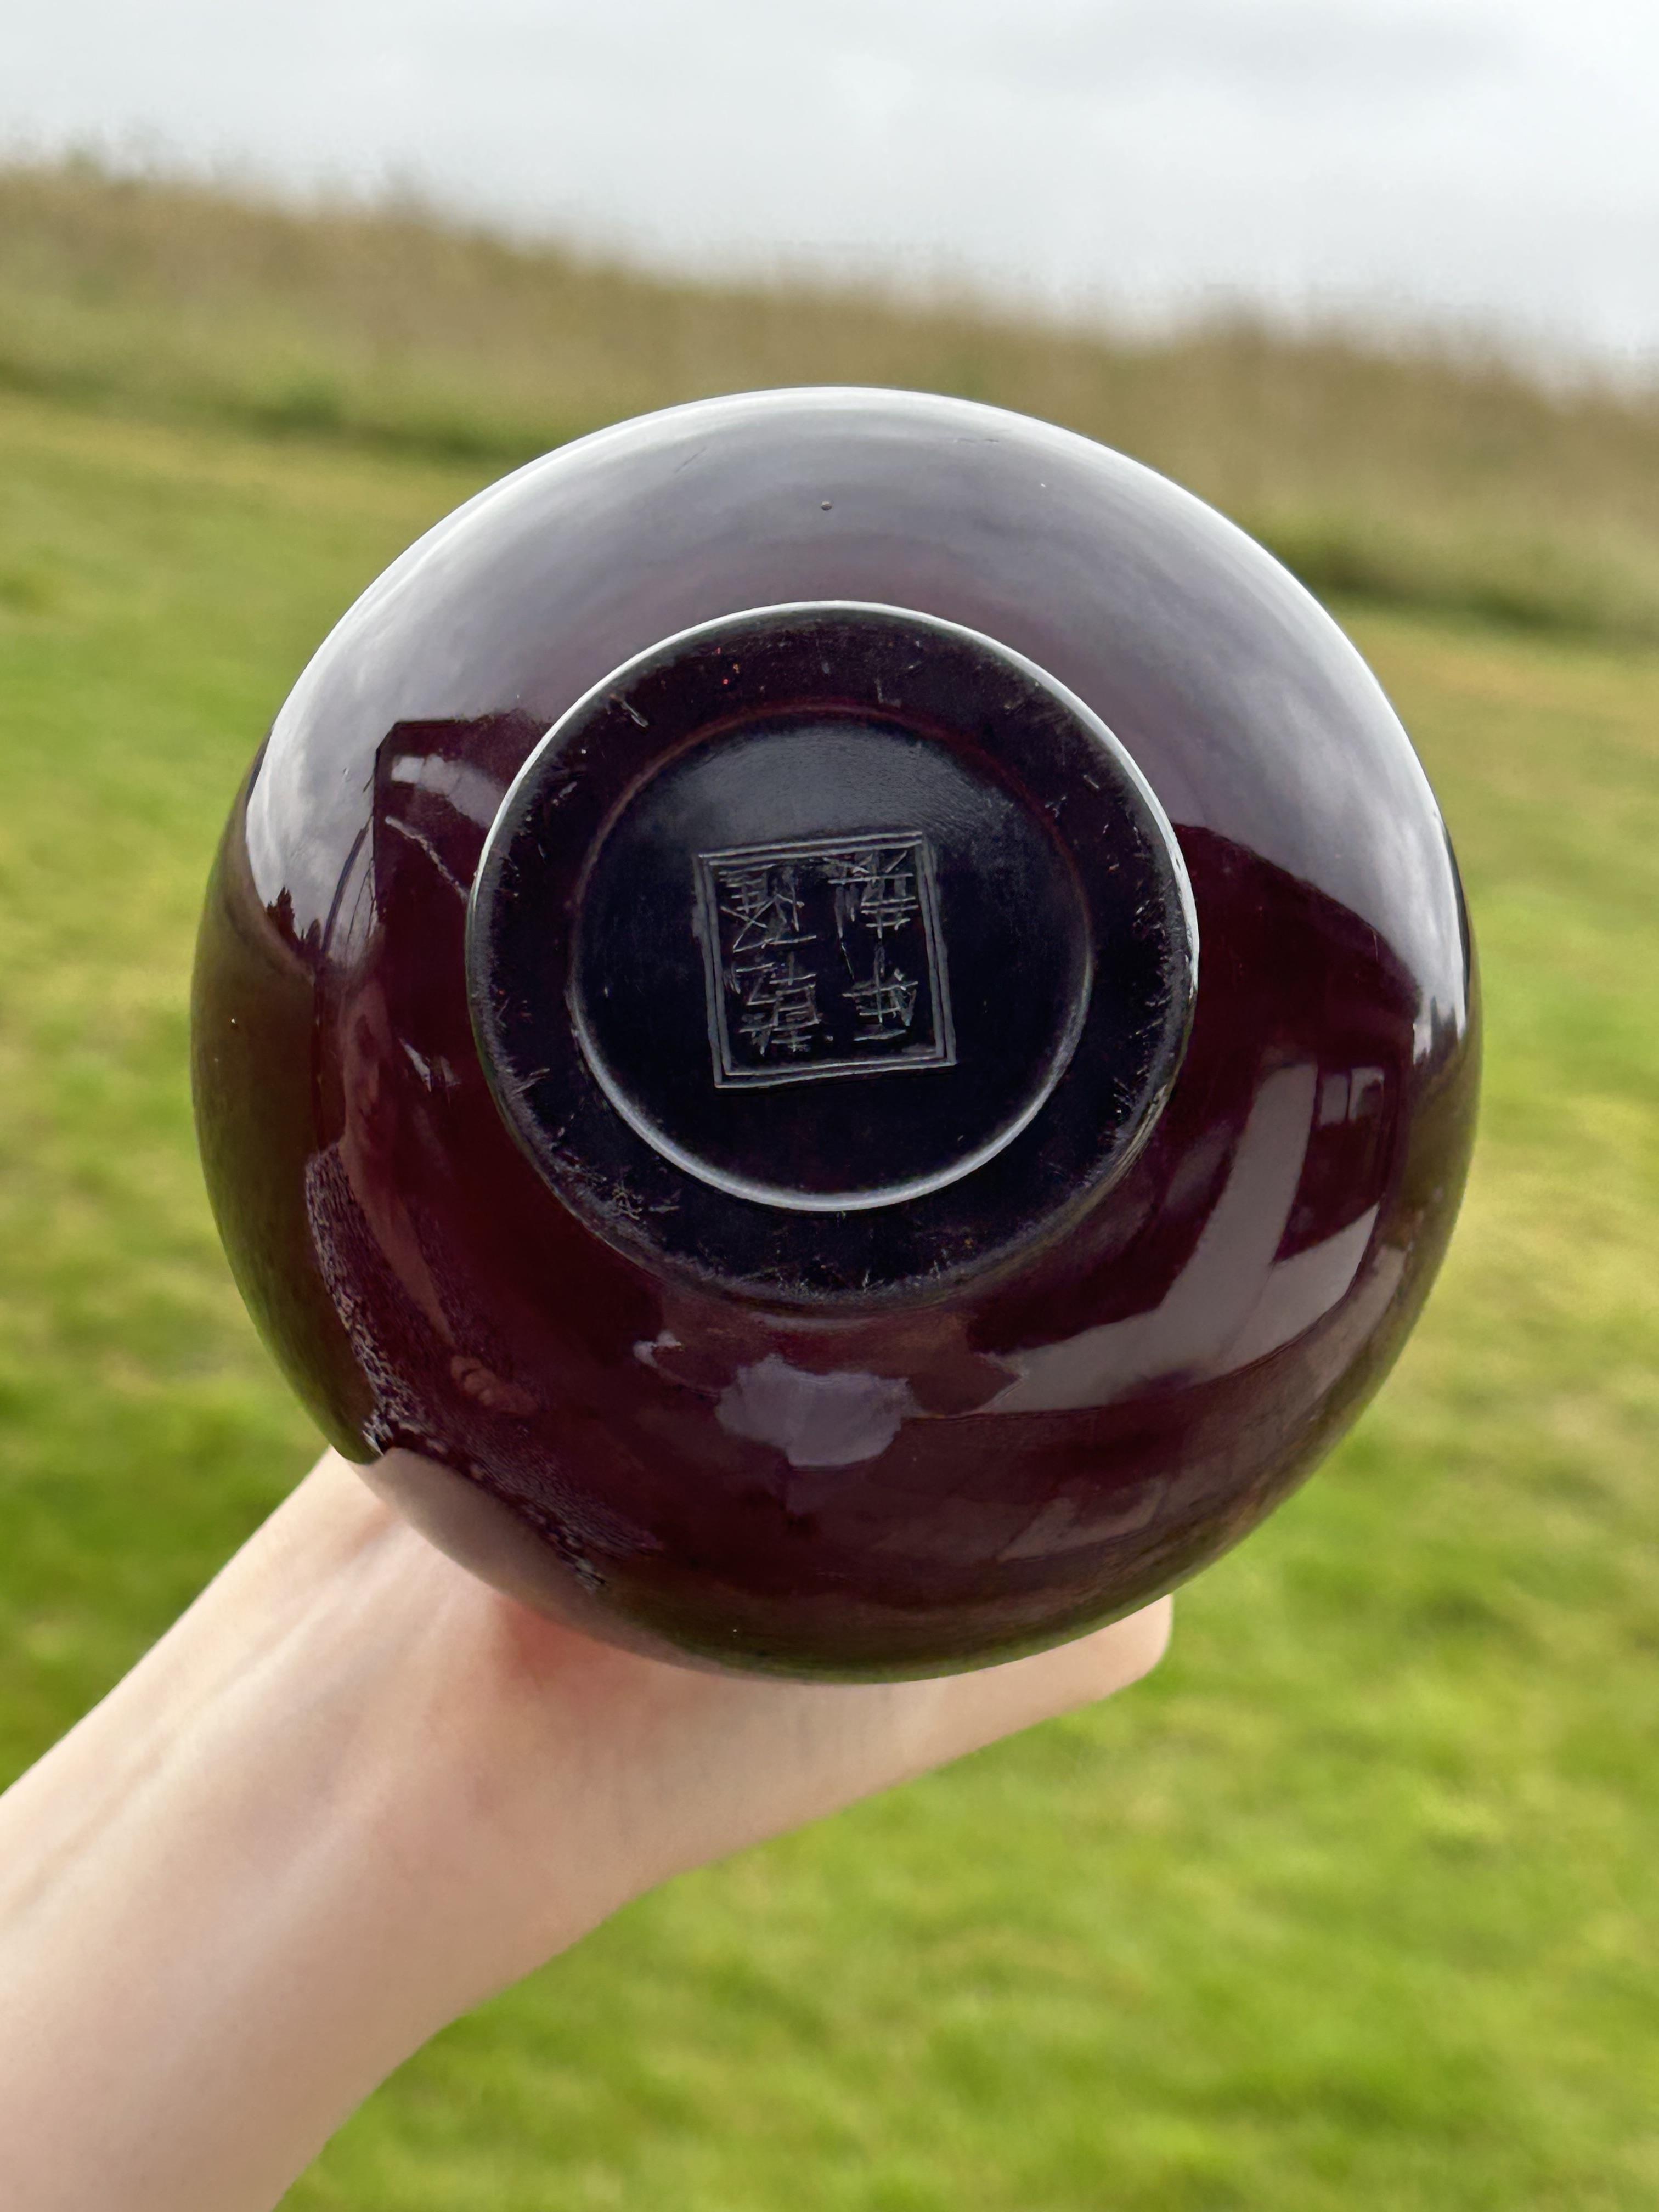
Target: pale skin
x=352 y=1794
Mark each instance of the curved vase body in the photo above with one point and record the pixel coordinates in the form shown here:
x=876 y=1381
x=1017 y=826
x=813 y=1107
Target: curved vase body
x=908 y=1122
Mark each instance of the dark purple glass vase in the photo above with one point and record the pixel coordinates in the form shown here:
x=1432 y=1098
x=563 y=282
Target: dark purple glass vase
x=846 y=1024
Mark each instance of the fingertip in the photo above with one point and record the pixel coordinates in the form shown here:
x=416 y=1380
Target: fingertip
x=1111 y=1658
x=1157 y=1625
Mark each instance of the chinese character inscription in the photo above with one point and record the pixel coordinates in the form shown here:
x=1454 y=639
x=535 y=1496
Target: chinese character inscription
x=824 y=958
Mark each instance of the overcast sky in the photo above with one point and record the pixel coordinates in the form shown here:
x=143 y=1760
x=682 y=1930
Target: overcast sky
x=1490 y=161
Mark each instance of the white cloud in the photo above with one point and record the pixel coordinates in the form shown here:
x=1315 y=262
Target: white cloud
x=1486 y=159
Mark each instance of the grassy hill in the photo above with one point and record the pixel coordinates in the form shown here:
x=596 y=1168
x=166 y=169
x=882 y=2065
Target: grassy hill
x=1352 y=1905
x=1420 y=478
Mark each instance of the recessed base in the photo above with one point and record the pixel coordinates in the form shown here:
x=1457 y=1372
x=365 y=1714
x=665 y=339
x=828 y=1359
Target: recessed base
x=829 y=949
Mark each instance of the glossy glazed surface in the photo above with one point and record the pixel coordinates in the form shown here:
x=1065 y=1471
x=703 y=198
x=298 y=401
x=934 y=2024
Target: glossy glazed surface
x=837 y=1489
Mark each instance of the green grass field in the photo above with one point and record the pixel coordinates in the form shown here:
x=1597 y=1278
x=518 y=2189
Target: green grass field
x=1352 y=1908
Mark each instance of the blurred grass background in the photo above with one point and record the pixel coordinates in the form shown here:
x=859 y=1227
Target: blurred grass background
x=1416 y=474
x=1353 y=1906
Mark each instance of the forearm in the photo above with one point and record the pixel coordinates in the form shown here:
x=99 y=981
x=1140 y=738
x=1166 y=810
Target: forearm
x=227 y=1909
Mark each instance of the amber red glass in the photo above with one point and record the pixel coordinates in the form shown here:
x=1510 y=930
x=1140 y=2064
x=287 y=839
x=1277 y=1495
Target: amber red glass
x=775 y=1437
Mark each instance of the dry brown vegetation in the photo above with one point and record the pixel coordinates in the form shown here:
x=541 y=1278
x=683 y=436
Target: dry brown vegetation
x=1422 y=476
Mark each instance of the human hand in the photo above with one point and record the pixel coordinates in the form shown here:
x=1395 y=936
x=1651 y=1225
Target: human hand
x=349 y=1794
